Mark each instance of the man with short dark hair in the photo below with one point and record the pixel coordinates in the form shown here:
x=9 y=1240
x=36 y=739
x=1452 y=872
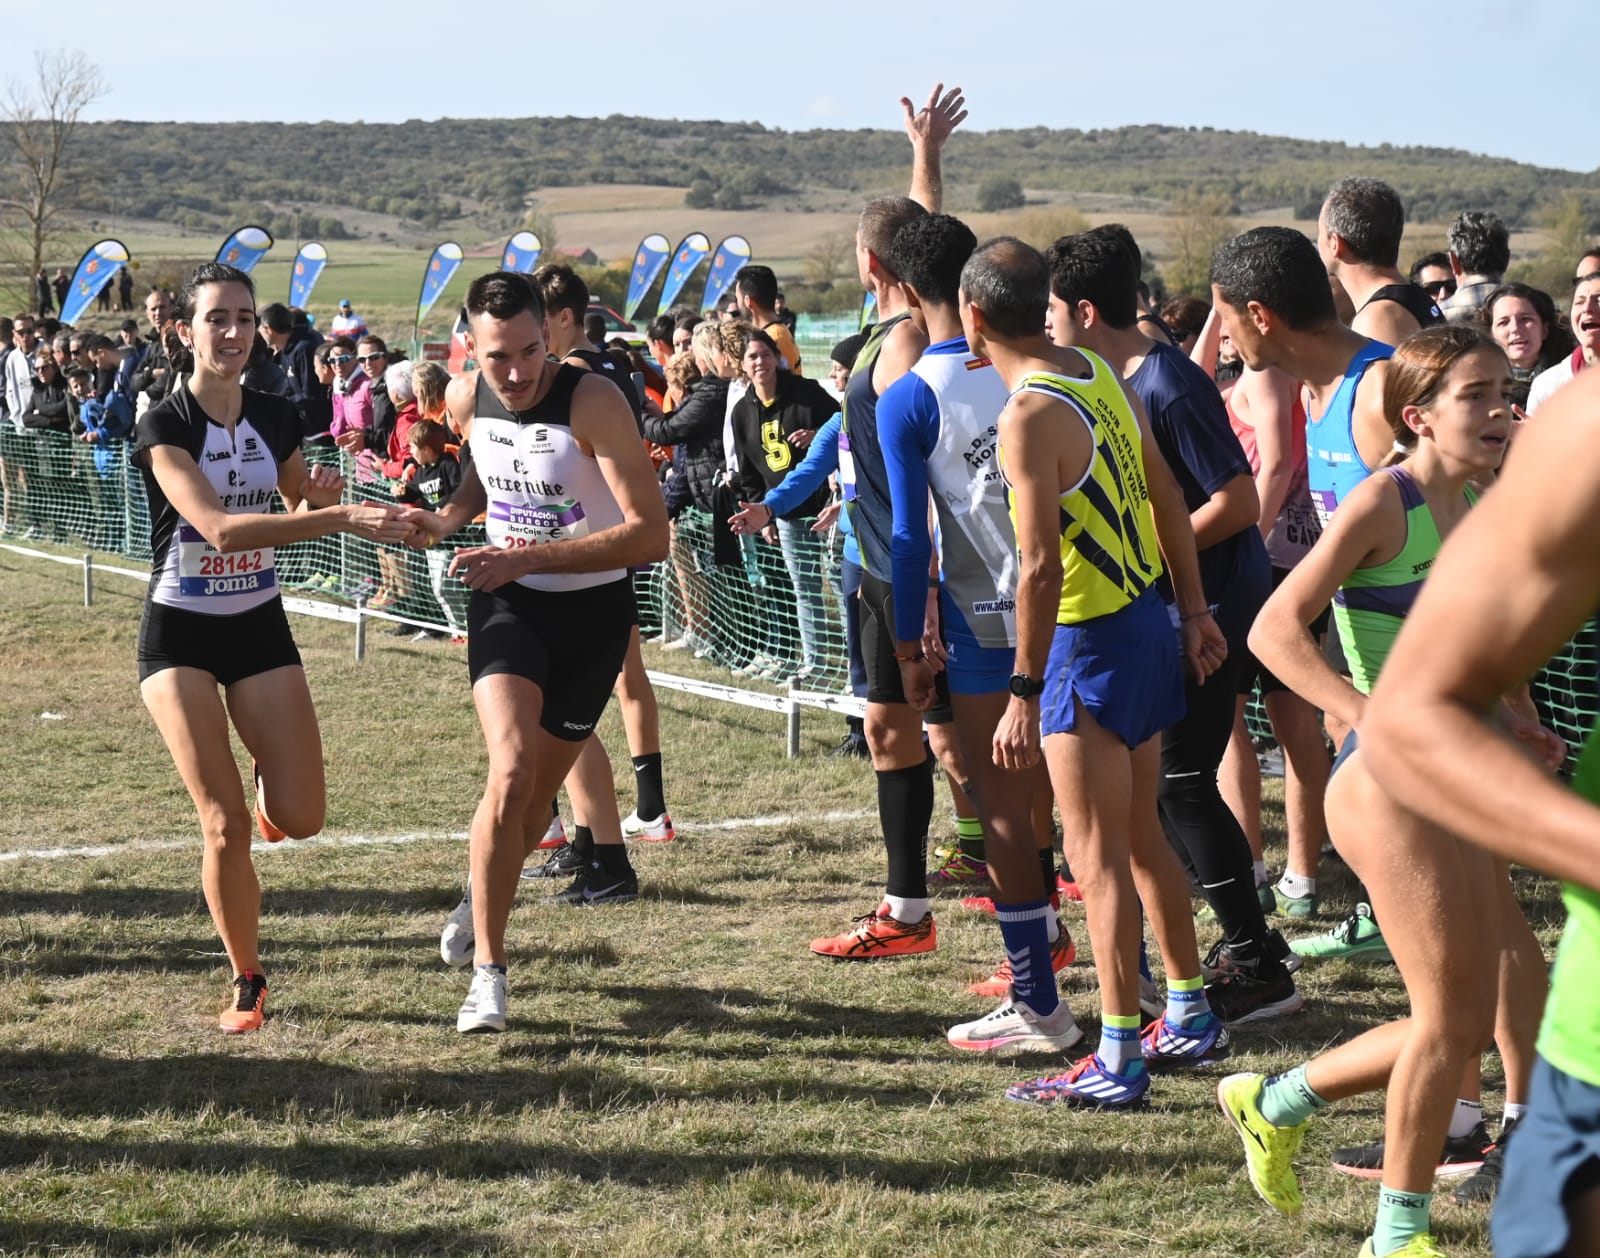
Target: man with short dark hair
x=787 y=317
x=293 y=349
x=566 y=303
x=1480 y=251
x=1432 y=274
x=756 y=289
x=1358 y=236
x=152 y=379
x=658 y=337
x=18 y=369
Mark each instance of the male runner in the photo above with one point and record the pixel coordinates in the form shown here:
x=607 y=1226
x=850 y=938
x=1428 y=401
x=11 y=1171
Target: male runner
x=1092 y=307
x=555 y=459
x=1268 y=287
x=1437 y=738
x=1358 y=236
x=903 y=923
x=1096 y=510
x=937 y=429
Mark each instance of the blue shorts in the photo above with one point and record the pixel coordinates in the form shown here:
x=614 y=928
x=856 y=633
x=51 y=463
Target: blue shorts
x=1553 y=1157
x=1126 y=669
x=979 y=670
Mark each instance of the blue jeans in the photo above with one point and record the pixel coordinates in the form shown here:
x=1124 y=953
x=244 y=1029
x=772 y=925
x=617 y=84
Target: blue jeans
x=802 y=556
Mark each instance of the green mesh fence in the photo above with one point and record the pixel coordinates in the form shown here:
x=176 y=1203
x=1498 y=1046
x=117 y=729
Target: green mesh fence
x=764 y=610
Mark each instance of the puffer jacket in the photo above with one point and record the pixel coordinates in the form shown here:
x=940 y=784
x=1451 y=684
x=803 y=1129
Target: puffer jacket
x=697 y=426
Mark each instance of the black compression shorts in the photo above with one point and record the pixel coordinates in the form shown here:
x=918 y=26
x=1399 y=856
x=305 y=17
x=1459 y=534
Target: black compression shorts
x=230 y=648
x=877 y=652
x=1252 y=672
x=569 y=643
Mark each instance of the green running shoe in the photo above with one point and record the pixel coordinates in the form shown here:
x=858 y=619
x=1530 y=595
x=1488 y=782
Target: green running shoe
x=1297 y=906
x=1419 y=1246
x=1357 y=936
x=1268 y=1150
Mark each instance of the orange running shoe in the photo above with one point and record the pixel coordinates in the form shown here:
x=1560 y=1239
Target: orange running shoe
x=879 y=935
x=1062 y=954
x=249 y=1004
x=985 y=903
x=269 y=832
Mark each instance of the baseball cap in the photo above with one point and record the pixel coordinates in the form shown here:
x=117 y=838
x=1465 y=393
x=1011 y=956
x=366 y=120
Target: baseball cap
x=345 y=304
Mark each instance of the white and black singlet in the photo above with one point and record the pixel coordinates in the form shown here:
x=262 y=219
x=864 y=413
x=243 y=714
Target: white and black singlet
x=565 y=631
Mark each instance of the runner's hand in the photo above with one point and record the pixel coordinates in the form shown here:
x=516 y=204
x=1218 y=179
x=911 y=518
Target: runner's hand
x=933 y=123
x=932 y=637
x=916 y=679
x=1204 y=647
x=827 y=517
x=379 y=523
x=322 y=487
x=1016 y=738
x=750 y=518
x=1544 y=743
x=490 y=567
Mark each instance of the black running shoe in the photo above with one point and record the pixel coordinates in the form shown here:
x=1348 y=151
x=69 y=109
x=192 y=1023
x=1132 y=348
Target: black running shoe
x=1463 y=1155
x=1274 y=947
x=852 y=746
x=1253 y=991
x=597 y=885
x=1484 y=1183
x=563 y=863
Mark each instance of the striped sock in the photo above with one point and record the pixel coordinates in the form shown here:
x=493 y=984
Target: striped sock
x=1025 y=928
x=1119 y=1045
x=1186 y=1003
x=969 y=837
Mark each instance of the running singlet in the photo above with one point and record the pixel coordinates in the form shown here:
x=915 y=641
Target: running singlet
x=540 y=484
x=1109 y=554
x=1571 y=1026
x=861 y=475
x=242 y=468
x=1414 y=298
x=603 y=364
x=1332 y=460
x=939 y=425
x=1297 y=528
x=1371 y=605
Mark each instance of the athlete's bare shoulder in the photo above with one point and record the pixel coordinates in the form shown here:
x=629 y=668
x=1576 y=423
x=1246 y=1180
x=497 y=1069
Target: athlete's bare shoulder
x=901 y=349
x=460 y=397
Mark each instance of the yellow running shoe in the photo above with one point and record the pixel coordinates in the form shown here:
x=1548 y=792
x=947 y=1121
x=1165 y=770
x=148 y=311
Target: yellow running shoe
x=1420 y=1246
x=1268 y=1150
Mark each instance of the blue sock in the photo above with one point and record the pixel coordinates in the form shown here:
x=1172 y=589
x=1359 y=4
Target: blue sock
x=1287 y=1100
x=1119 y=1050
x=1187 y=1006
x=1401 y=1215
x=1026 y=932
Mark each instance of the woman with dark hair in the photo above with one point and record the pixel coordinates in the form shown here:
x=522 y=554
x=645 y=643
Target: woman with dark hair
x=1522 y=320
x=1186 y=317
x=214 y=642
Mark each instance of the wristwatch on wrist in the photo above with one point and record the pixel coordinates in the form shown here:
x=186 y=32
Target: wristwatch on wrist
x=1025 y=687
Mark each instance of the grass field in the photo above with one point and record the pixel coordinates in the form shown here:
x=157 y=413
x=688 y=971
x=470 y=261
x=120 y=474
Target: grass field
x=680 y=1076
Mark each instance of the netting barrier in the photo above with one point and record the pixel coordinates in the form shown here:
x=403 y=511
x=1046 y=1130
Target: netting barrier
x=750 y=612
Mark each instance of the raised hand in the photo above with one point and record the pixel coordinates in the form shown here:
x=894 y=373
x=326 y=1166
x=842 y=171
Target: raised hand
x=933 y=123
x=322 y=487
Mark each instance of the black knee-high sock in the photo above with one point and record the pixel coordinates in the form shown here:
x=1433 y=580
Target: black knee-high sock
x=647 y=781
x=905 y=807
x=1047 y=870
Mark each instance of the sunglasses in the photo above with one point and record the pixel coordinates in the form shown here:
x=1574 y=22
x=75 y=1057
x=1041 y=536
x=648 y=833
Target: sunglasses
x=340 y=358
x=1442 y=287
x=369 y=358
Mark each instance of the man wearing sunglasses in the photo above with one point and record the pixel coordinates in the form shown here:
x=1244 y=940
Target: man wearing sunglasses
x=372 y=360
x=352 y=397
x=1432 y=274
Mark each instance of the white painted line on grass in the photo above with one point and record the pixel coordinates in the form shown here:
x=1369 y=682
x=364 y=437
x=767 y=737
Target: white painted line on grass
x=373 y=840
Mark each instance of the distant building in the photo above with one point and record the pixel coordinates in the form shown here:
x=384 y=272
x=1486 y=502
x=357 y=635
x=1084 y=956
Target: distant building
x=579 y=257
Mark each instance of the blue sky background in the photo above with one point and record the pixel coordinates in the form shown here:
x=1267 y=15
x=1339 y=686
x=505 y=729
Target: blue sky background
x=1482 y=75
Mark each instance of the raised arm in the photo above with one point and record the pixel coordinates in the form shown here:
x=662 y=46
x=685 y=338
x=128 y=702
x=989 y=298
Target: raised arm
x=929 y=128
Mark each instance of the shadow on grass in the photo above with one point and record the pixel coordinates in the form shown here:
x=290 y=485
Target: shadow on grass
x=118 y=900
x=314 y=1234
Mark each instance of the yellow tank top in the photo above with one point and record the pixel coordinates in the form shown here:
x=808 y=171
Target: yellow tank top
x=1109 y=554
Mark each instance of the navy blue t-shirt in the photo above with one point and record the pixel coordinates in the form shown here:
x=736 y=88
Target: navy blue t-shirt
x=1191 y=428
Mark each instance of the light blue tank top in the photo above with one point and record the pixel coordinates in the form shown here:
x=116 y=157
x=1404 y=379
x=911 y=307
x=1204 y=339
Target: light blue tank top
x=1333 y=463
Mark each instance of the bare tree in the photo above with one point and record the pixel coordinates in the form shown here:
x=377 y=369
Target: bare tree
x=38 y=120
x=826 y=264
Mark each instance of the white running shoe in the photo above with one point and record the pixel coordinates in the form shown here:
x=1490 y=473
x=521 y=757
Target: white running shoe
x=484 y=1009
x=658 y=831
x=1016 y=1028
x=555 y=834
x=456 y=941
x=678 y=644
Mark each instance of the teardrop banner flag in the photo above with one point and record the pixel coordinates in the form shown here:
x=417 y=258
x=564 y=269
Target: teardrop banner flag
x=245 y=248
x=522 y=253
x=648 y=259
x=731 y=254
x=308 y=264
x=690 y=253
x=442 y=266
x=97 y=268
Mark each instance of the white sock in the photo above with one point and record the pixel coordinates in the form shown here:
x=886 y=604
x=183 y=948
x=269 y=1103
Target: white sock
x=1261 y=872
x=1052 y=927
x=908 y=909
x=1465 y=1116
x=1295 y=886
x=1512 y=1113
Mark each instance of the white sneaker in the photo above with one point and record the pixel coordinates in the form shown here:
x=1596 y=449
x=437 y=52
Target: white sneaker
x=456 y=940
x=555 y=834
x=1016 y=1028
x=1150 y=1002
x=677 y=644
x=658 y=831
x=484 y=1009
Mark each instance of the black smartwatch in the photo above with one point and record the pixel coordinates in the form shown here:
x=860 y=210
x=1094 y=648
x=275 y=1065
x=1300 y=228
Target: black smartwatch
x=1025 y=687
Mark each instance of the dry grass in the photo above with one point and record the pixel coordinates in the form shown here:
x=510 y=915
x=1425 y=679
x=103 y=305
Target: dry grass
x=680 y=1076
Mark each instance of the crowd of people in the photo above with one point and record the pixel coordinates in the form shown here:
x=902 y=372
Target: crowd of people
x=1078 y=529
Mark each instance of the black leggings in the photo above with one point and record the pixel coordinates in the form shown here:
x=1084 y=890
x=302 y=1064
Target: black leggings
x=1198 y=824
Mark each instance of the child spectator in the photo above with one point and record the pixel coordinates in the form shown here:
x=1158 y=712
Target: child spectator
x=435 y=476
x=103 y=423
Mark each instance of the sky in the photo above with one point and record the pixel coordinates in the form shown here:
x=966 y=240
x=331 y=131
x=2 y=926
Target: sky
x=1482 y=75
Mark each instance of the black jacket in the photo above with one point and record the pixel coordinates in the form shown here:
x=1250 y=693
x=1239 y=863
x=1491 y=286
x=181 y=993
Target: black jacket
x=48 y=409
x=760 y=436
x=144 y=377
x=697 y=426
x=297 y=358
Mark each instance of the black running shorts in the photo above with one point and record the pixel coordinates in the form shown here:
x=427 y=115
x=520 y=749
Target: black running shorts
x=1252 y=672
x=877 y=652
x=230 y=648
x=569 y=643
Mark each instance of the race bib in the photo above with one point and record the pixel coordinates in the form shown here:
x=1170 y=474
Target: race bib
x=847 y=469
x=519 y=524
x=204 y=571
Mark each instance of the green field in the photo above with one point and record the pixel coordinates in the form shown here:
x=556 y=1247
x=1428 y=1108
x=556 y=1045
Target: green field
x=680 y=1076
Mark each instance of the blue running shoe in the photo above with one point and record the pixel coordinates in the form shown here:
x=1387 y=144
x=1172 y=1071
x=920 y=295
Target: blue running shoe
x=1087 y=1083
x=1167 y=1044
